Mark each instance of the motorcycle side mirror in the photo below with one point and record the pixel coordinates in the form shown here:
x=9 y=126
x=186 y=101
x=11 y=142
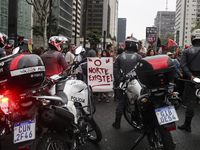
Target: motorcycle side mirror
x=197 y=80
x=78 y=50
x=16 y=50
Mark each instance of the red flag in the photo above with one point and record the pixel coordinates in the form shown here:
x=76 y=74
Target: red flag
x=132 y=35
x=121 y=46
x=171 y=43
x=164 y=48
x=178 y=50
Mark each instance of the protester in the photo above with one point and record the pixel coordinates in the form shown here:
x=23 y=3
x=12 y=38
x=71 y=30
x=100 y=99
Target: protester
x=190 y=64
x=70 y=54
x=3 y=40
x=54 y=60
x=79 y=69
x=92 y=52
x=8 y=49
x=104 y=53
x=151 y=52
x=38 y=51
x=110 y=49
x=125 y=62
x=140 y=49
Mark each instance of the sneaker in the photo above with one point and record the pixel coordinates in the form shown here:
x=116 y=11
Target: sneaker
x=185 y=128
x=99 y=100
x=107 y=101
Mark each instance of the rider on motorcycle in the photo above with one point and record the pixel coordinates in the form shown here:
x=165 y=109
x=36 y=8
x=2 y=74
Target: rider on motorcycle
x=189 y=64
x=53 y=59
x=125 y=62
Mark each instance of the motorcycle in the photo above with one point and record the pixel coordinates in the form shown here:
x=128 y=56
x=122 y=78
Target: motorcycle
x=40 y=120
x=148 y=108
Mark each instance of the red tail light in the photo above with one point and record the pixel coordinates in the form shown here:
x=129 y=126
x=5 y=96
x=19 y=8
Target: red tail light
x=171 y=128
x=4 y=99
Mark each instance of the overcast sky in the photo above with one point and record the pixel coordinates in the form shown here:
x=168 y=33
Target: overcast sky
x=140 y=14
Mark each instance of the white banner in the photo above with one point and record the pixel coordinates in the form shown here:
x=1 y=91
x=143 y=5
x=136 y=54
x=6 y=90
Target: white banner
x=100 y=74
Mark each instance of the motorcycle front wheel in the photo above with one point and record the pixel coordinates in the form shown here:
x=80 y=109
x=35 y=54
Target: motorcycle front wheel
x=128 y=116
x=94 y=132
x=161 y=139
x=52 y=141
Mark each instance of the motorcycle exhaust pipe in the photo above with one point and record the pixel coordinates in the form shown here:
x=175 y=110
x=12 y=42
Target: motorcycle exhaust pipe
x=56 y=116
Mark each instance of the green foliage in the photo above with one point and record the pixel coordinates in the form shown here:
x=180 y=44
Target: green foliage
x=164 y=40
x=55 y=30
x=93 y=36
x=196 y=27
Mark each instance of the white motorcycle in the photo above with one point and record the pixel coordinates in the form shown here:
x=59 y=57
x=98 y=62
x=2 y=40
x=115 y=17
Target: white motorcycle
x=78 y=101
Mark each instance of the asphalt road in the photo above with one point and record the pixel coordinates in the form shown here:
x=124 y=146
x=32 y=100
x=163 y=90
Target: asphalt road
x=123 y=139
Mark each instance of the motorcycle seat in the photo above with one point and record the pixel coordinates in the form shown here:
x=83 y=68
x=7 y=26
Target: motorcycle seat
x=63 y=96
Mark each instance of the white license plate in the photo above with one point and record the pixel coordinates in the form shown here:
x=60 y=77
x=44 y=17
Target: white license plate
x=24 y=131
x=166 y=115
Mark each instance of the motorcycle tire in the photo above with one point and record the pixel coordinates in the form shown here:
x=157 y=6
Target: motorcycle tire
x=128 y=117
x=52 y=141
x=94 y=132
x=161 y=139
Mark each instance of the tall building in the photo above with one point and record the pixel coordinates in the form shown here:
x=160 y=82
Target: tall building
x=76 y=19
x=24 y=18
x=113 y=17
x=187 y=14
x=121 y=34
x=165 y=21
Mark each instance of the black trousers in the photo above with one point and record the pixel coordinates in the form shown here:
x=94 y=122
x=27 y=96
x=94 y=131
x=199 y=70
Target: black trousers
x=121 y=103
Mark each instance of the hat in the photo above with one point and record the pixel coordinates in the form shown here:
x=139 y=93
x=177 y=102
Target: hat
x=8 y=46
x=169 y=53
x=83 y=50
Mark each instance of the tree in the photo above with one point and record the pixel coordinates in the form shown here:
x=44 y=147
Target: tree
x=164 y=41
x=93 y=36
x=42 y=9
x=55 y=30
x=196 y=27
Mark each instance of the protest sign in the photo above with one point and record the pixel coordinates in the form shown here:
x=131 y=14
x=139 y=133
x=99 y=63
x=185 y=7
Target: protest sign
x=100 y=74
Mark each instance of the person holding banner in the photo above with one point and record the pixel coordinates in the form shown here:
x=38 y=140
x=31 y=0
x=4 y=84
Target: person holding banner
x=125 y=62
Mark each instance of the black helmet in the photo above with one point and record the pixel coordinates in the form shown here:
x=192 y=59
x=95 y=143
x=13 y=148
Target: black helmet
x=56 y=41
x=131 y=43
x=3 y=39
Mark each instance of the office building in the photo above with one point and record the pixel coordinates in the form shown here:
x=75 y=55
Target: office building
x=164 y=21
x=121 y=34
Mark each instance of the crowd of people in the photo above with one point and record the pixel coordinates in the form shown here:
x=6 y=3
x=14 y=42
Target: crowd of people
x=56 y=59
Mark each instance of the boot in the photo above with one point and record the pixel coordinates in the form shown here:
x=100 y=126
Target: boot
x=117 y=122
x=187 y=125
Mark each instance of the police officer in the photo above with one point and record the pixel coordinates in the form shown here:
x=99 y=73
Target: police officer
x=125 y=62
x=189 y=64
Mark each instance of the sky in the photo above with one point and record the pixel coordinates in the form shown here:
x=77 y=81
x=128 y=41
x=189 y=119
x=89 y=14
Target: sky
x=140 y=14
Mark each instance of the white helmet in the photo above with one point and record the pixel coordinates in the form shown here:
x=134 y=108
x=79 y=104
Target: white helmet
x=3 y=39
x=195 y=35
x=55 y=41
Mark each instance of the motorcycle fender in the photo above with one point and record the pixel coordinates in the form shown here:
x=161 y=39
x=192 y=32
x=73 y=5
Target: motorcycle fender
x=170 y=126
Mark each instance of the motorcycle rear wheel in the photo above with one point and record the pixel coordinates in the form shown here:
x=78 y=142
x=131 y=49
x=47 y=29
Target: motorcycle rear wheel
x=161 y=139
x=94 y=132
x=52 y=141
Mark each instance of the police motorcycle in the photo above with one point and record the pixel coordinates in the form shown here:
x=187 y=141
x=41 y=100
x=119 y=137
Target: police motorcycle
x=148 y=101
x=79 y=102
x=36 y=119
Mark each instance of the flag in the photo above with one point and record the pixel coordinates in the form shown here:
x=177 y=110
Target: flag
x=165 y=48
x=121 y=46
x=171 y=43
x=158 y=43
x=132 y=35
x=178 y=50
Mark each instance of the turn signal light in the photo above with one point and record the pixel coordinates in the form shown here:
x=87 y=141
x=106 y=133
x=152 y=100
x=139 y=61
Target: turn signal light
x=4 y=99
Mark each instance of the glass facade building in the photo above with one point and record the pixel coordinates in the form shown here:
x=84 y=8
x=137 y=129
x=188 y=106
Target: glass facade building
x=24 y=18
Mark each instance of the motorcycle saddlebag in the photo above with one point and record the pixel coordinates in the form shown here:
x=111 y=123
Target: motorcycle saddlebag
x=155 y=71
x=21 y=72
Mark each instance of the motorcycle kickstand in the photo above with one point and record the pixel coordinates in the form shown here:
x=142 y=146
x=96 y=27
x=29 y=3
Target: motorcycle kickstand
x=139 y=139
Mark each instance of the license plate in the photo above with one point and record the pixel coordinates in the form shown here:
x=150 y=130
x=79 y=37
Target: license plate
x=24 y=131
x=166 y=115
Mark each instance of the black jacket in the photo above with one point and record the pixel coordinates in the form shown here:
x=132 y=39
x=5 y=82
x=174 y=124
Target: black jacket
x=125 y=61
x=194 y=64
